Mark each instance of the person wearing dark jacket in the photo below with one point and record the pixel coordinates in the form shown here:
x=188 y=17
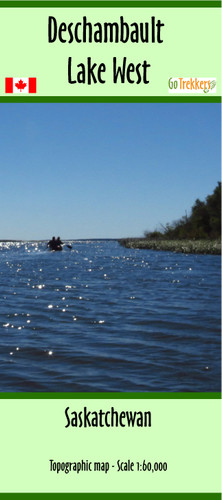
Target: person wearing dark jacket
x=52 y=244
x=55 y=243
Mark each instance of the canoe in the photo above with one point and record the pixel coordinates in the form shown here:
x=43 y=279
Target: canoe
x=58 y=248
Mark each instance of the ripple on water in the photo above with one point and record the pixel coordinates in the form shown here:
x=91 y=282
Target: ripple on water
x=103 y=318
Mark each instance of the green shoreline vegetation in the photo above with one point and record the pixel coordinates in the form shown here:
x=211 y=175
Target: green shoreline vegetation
x=198 y=233
x=186 y=246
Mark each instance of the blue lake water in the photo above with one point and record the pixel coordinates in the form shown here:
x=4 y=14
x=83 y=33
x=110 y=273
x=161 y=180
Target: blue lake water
x=101 y=317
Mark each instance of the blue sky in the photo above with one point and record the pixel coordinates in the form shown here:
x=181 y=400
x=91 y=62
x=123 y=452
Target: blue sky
x=104 y=170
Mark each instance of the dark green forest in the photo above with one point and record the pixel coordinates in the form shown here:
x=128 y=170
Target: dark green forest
x=204 y=221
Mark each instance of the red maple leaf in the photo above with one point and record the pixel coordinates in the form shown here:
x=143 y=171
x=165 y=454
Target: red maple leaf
x=20 y=85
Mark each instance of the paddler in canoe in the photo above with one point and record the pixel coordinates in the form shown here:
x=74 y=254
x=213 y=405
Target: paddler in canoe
x=55 y=244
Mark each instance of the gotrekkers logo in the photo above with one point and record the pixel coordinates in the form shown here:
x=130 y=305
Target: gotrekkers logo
x=191 y=85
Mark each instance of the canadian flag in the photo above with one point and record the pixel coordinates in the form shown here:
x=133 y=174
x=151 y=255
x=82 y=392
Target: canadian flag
x=20 y=85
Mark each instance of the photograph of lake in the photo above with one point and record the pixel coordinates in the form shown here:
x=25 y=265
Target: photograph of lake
x=128 y=300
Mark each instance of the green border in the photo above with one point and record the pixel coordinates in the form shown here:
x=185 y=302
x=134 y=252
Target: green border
x=111 y=99
x=112 y=3
x=114 y=496
x=157 y=99
x=110 y=395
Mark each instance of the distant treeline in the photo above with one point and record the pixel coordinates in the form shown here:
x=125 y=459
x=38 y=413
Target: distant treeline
x=203 y=223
